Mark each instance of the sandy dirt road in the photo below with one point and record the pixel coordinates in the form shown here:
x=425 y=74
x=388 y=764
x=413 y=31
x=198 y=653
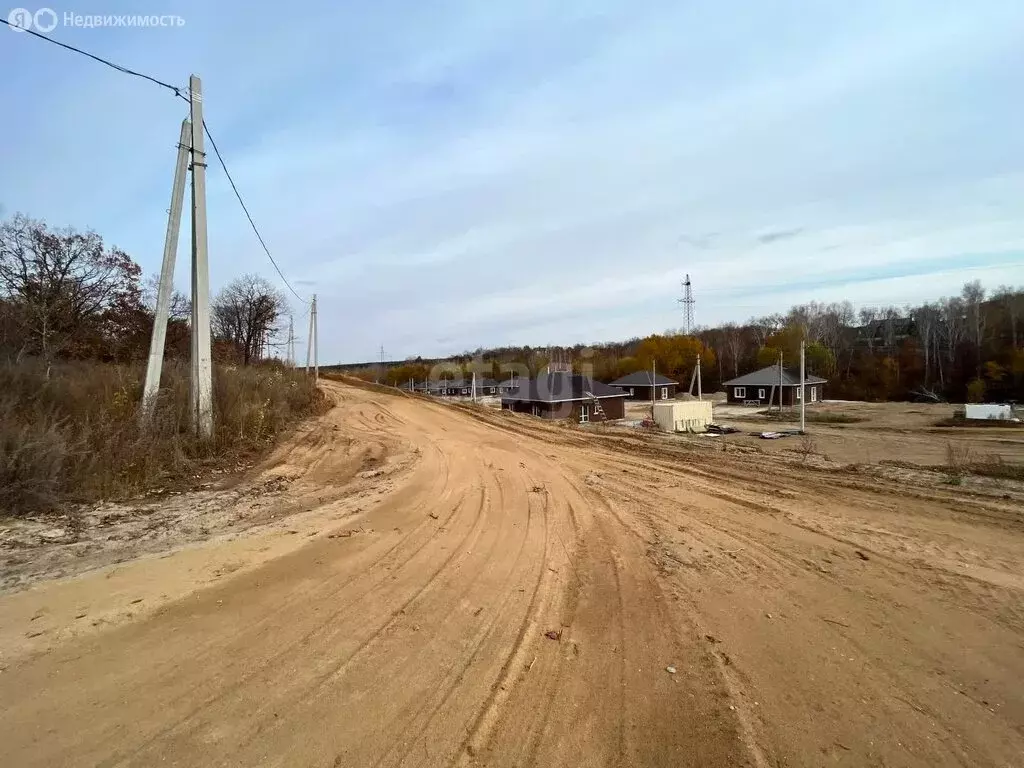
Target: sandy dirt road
x=811 y=618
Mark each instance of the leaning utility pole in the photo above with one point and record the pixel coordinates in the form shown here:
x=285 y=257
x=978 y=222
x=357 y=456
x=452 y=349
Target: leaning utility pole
x=291 y=341
x=163 y=293
x=202 y=365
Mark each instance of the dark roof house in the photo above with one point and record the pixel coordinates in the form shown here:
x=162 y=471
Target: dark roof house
x=511 y=383
x=485 y=386
x=763 y=387
x=457 y=387
x=646 y=385
x=565 y=395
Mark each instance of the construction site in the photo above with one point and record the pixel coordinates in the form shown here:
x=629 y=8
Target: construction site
x=789 y=535
x=411 y=581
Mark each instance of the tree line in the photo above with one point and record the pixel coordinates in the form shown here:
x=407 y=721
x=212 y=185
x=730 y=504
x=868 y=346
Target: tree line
x=65 y=295
x=959 y=348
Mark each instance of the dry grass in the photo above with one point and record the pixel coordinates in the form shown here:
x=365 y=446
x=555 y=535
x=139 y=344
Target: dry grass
x=73 y=434
x=958 y=420
x=994 y=466
x=815 y=417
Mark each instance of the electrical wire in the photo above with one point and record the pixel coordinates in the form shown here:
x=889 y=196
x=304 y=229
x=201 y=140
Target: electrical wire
x=112 y=65
x=241 y=202
x=177 y=92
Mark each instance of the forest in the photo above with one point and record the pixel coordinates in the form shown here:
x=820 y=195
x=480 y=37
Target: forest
x=962 y=348
x=76 y=318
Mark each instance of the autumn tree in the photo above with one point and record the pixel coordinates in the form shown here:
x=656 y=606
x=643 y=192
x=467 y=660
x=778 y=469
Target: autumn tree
x=247 y=313
x=59 y=287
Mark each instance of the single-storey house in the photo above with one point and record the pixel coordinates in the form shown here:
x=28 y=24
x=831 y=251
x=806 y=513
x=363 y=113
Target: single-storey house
x=642 y=384
x=756 y=388
x=564 y=396
x=461 y=387
x=485 y=386
x=510 y=385
x=447 y=387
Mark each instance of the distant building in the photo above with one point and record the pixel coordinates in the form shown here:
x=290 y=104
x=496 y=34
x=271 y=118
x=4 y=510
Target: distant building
x=645 y=385
x=485 y=386
x=510 y=385
x=565 y=396
x=887 y=332
x=459 y=387
x=757 y=388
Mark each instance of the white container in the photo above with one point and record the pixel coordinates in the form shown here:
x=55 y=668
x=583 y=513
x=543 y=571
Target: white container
x=988 y=411
x=683 y=415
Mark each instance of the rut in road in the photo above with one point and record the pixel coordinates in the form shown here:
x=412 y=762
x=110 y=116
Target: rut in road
x=812 y=617
x=420 y=641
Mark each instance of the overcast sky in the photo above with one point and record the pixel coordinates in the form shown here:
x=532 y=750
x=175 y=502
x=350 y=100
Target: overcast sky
x=448 y=175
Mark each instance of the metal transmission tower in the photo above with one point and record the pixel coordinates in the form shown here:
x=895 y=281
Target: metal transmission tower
x=688 y=301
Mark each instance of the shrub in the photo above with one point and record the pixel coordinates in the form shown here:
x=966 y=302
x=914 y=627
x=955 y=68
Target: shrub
x=70 y=432
x=976 y=391
x=808 y=447
x=958 y=461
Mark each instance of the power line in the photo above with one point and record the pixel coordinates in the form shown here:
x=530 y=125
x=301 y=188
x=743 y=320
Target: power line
x=112 y=65
x=177 y=92
x=241 y=202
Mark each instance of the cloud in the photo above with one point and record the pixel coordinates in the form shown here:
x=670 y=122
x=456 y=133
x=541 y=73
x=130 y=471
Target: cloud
x=467 y=174
x=773 y=236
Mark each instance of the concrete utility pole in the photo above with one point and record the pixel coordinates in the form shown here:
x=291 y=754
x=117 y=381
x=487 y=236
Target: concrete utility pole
x=311 y=350
x=316 y=342
x=653 y=375
x=202 y=365
x=474 y=386
x=780 y=384
x=699 y=391
x=803 y=390
x=163 y=293
x=291 y=341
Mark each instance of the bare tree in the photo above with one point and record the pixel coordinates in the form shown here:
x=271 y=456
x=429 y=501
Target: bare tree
x=953 y=325
x=974 y=296
x=765 y=326
x=733 y=338
x=180 y=308
x=58 y=285
x=889 y=316
x=246 y=313
x=926 y=317
x=1012 y=301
